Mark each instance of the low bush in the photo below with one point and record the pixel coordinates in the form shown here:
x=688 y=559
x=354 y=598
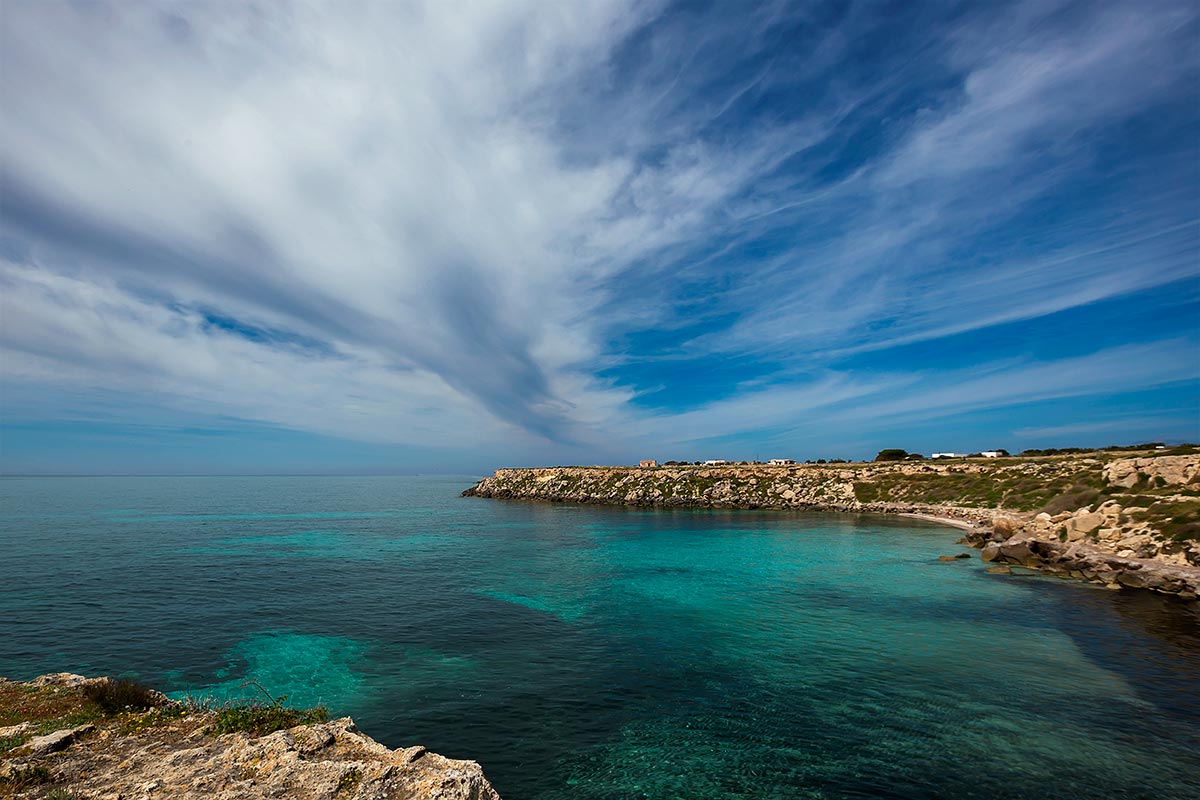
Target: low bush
x=122 y=695
x=1076 y=497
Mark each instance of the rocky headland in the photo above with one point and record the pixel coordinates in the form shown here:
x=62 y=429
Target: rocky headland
x=70 y=737
x=1119 y=519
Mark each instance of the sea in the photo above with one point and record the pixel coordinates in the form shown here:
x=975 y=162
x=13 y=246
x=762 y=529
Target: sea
x=594 y=652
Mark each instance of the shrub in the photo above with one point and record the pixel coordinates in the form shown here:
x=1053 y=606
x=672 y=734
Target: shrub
x=1075 y=497
x=122 y=695
x=891 y=454
x=259 y=720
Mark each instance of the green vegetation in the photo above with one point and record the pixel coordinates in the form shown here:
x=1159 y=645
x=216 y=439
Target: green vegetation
x=61 y=794
x=1185 y=449
x=1075 y=497
x=130 y=708
x=53 y=708
x=133 y=722
x=259 y=720
x=1175 y=519
x=891 y=454
x=349 y=780
x=1015 y=489
x=1049 y=485
x=49 y=708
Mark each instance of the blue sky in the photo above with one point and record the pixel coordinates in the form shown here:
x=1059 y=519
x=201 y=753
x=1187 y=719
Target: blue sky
x=307 y=237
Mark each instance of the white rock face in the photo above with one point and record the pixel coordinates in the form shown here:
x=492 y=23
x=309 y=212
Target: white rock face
x=1172 y=470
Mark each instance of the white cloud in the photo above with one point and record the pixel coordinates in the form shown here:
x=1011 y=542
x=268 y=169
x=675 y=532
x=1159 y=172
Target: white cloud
x=458 y=208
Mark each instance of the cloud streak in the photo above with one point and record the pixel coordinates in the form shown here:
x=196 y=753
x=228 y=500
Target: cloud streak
x=486 y=224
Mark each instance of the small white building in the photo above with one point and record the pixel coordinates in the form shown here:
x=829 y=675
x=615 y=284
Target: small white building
x=990 y=454
x=647 y=462
x=947 y=455
x=781 y=462
x=715 y=462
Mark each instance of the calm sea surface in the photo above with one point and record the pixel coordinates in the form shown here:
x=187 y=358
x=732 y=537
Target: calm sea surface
x=585 y=652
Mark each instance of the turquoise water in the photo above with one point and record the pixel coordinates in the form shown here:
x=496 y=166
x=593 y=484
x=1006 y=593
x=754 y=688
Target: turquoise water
x=585 y=652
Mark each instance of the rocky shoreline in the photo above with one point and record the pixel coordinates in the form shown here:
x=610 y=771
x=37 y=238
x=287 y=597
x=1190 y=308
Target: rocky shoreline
x=1088 y=563
x=1124 y=522
x=66 y=746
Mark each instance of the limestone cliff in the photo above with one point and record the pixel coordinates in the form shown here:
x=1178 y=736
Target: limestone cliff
x=1142 y=508
x=172 y=750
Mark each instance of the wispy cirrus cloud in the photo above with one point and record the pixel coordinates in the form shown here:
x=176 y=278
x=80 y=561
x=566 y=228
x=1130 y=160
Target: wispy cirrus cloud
x=487 y=224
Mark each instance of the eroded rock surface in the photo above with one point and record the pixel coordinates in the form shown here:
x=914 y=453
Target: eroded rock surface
x=171 y=752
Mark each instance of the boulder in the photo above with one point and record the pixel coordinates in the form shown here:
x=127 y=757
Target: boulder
x=1084 y=522
x=1006 y=525
x=59 y=740
x=1142 y=544
x=1134 y=580
x=1019 y=551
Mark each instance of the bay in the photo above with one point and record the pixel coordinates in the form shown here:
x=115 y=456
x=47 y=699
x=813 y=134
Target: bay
x=592 y=652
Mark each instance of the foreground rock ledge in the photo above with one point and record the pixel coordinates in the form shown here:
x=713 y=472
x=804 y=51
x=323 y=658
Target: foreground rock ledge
x=120 y=760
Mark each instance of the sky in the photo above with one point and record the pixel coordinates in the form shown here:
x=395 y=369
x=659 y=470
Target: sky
x=451 y=236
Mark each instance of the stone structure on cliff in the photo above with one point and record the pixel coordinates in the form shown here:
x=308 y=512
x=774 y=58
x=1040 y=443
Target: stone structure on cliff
x=1109 y=518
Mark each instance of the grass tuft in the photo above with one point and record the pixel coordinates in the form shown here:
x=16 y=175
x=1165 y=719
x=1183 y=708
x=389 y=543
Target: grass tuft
x=19 y=778
x=259 y=720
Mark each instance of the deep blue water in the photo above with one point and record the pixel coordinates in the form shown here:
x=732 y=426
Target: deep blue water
x=587 y=652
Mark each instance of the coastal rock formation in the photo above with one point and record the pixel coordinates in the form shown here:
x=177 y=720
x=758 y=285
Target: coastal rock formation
x=737 y=486
x=1143 y=510
x=1091 y=563
x=171 y=751
x=1170 y=470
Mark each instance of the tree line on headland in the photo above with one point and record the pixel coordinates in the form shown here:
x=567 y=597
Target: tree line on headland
x=898 y=454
